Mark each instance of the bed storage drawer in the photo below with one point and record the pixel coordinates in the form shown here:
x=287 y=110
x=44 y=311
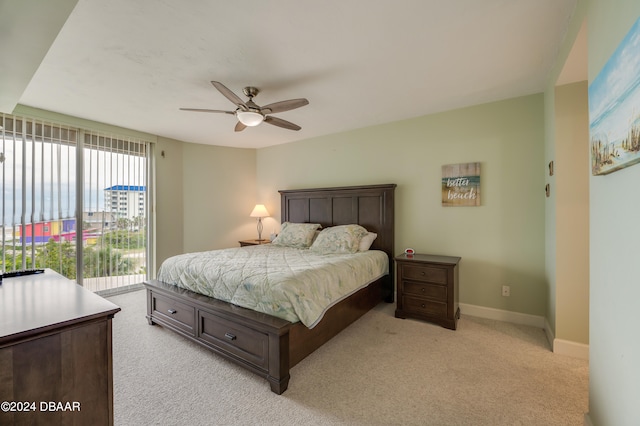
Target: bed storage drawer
x=249 y=345
x=173 y=312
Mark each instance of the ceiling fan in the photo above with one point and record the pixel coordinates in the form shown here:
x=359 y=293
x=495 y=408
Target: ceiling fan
x=249 y=114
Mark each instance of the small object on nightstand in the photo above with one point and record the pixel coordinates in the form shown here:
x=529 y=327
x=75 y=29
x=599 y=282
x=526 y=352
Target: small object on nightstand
x=244 y=243
x=427 y=287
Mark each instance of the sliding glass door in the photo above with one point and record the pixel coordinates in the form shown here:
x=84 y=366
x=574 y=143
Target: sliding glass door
x=114 y=210
x=74 y=201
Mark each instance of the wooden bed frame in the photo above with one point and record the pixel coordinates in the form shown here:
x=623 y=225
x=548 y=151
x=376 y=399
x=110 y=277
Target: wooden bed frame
x=264 y=344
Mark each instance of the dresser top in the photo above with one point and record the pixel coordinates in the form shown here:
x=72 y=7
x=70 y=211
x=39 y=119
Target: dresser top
x=431 y=258
x=32 y=304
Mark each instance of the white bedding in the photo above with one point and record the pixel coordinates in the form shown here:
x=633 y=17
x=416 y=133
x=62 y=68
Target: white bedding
x=290 y=283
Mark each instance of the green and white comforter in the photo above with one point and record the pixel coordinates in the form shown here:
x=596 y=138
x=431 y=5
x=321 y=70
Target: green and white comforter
x=290 y=283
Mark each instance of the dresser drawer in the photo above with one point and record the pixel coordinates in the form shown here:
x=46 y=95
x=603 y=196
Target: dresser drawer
x=248 y=344
x=423 y=273
x=424 y=307
x=431 y=291
x=173 y=312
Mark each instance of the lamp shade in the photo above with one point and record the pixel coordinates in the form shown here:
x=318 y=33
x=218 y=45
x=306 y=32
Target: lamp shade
x=259 y=211
x=250 y=118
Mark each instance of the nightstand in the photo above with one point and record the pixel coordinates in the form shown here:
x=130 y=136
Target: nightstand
x=253 y=242
x=427 y=288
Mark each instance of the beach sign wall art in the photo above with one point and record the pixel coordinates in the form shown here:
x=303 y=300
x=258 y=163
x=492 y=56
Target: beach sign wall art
x=461 y=185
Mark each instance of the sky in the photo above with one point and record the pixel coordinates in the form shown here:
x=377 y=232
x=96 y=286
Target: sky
x=614 y=95
x=49 y=184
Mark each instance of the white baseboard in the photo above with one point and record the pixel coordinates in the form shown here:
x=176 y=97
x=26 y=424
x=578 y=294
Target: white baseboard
x=561 y=347
x=565 y=347
x=501 y=315
x=572 y=349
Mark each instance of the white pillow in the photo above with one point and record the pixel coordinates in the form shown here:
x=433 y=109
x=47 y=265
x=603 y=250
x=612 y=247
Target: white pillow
x=339 y=239
x=367 y=240
x=296 y=234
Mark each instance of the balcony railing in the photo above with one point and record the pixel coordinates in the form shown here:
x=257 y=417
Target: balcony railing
x=111 y=285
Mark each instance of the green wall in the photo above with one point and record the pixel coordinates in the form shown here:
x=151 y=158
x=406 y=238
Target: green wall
x=169 y=214
x=570 y=184
x=219 y=193
x=567 y=207
x=501 y=242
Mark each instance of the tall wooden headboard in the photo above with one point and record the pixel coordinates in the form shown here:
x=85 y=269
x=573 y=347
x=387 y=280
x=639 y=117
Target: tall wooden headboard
x=371 y=206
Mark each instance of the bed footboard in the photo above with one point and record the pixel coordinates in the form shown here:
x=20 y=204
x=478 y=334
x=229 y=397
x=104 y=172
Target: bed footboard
x=255 y=341
x=261 y=343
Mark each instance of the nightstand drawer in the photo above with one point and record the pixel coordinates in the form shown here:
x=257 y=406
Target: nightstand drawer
x=424 y=273
x=431 y=291
x=246 y=343
x=424 y=307
x=173 y=312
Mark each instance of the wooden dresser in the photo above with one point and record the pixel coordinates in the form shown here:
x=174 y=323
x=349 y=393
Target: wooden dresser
x=427 y=288
x=56 y=363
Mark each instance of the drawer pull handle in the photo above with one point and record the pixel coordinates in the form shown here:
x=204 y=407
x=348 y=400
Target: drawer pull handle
x=422 y=273
x=423 y=306
x=230 y=336
x=424 y=289
x=172 y=311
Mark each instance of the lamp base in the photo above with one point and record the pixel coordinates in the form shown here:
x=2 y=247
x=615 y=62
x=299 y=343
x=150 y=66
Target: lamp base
x=260 y=229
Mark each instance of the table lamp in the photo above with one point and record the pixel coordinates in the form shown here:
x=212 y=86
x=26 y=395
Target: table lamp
x=259 y=211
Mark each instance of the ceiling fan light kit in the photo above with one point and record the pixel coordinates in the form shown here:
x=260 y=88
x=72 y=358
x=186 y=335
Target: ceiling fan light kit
x=250 y=118
x=249 y=114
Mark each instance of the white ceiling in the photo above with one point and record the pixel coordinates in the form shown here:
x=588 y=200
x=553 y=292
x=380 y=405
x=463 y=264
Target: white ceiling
x=358 y=62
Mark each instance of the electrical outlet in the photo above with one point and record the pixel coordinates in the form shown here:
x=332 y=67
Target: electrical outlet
x=506 y=291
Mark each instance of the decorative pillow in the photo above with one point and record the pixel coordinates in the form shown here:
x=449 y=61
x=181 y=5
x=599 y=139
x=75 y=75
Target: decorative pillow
x=296 y=234
x=367 y=240
x=339 y=239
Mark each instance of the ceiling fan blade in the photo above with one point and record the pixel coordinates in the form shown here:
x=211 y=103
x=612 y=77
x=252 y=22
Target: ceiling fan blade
x=284 y=106
x=207 y=110
x=229 y=94
x=240 y=127
x=281 y=123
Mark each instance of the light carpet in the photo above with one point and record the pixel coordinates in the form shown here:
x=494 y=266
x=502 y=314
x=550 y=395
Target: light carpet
x=379 y=371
